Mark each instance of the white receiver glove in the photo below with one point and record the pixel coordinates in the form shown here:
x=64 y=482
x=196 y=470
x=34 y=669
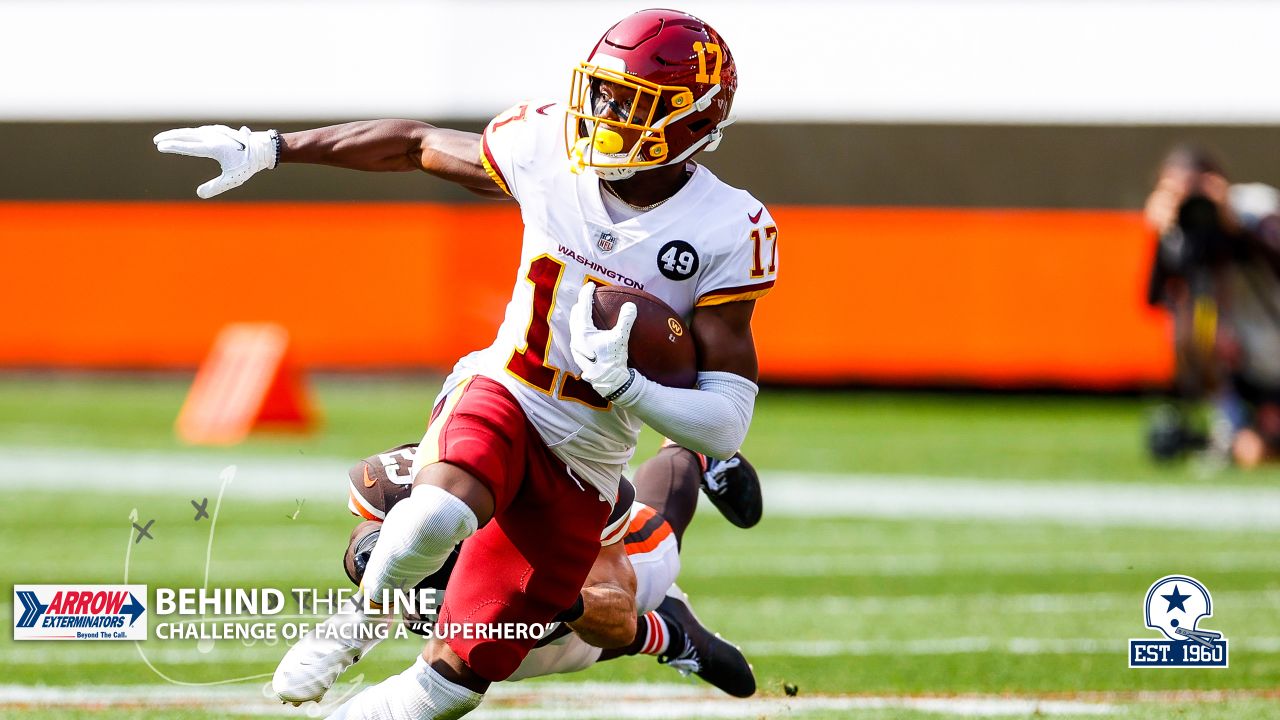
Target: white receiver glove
x=601 y=354
x=713 y=419
x=240 y=153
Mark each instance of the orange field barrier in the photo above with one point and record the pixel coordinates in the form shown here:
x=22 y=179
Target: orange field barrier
x=983 y=297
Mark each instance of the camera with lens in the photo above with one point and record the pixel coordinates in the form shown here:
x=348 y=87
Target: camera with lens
x=1197 y=241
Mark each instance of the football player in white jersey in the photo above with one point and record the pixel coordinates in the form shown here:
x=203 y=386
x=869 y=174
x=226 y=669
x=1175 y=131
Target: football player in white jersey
x=527 y=442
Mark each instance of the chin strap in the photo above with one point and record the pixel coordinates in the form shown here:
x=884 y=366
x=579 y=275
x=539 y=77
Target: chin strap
x=615 y=174
x=708 y=142
x=711 y=141
x=717 y=135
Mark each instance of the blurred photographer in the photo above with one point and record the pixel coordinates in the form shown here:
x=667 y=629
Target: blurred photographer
x=1217 y=269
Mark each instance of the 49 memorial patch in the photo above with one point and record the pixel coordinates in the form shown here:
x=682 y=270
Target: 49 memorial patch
x=1174 y=606
x=79 y=612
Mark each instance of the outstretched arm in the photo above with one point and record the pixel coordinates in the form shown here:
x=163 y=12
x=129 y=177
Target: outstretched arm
x=393 y=146
x=371 y=145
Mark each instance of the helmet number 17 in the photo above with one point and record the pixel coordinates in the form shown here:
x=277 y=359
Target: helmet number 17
x=702 y=49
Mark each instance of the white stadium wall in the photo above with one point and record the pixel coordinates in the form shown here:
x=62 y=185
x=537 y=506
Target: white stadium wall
x=1128 y=61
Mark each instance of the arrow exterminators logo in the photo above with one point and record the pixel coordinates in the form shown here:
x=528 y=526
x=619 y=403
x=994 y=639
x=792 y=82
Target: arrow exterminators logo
x=79 y=612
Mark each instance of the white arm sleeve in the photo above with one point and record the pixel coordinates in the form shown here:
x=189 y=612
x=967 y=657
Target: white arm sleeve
x=712 y=420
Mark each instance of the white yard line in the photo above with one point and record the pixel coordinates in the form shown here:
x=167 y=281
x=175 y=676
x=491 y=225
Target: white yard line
x=231 y=652
x=1064 y=502
x=767 y=606
x=828 y=564
x=554 y=700
x=787 y=494
x=121 y=471
x=972 y=645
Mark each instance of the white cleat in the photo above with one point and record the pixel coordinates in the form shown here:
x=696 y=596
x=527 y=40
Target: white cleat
x=312 y=666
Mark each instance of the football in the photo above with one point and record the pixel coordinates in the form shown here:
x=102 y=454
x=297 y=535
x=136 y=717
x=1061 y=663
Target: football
x=661 y=346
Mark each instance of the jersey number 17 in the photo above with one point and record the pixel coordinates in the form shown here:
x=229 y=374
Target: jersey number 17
x=529 y=364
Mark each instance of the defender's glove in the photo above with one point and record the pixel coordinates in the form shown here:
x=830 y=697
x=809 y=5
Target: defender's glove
x=241 y=153
x=601 y=354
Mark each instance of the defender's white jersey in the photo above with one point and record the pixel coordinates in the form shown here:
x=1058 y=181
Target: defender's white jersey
x=708 y=244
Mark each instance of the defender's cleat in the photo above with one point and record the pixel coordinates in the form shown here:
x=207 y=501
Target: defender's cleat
x=312 y=666
x=734 y=488
x=695 y=649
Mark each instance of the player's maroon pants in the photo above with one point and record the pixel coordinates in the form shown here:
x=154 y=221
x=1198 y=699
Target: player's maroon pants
x=530 y=561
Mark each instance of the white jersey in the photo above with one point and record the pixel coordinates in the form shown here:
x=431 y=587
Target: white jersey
x=709 y=244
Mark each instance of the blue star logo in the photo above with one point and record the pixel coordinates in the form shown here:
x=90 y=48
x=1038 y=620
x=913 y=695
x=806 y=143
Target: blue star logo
x=1176 y=600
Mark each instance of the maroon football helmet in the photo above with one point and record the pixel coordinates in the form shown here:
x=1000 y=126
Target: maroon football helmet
x=670 y=76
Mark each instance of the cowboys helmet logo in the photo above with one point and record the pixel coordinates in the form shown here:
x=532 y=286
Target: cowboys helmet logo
x=1175 y=605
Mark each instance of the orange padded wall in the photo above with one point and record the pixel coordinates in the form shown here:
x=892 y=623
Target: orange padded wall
x=983 y=297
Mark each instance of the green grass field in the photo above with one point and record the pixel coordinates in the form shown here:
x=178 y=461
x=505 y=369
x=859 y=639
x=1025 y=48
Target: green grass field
x=868 y=614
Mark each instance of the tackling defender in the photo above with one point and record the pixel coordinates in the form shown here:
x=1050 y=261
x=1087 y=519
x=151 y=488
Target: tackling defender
x=527 y=441
x=665 y=498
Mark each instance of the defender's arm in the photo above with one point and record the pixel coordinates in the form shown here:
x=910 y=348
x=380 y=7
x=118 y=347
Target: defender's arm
x=608 y=600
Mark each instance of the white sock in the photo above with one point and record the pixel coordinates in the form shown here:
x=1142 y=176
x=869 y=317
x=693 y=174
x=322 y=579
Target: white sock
x=416 y=538
x=418 y=693
x=351 y=615
x=659 y=637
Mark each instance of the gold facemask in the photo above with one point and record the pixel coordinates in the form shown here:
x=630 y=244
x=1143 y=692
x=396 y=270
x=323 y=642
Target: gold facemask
x=594 y=141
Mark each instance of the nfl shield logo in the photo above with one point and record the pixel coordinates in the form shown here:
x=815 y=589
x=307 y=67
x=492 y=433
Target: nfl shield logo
x=605 y=241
